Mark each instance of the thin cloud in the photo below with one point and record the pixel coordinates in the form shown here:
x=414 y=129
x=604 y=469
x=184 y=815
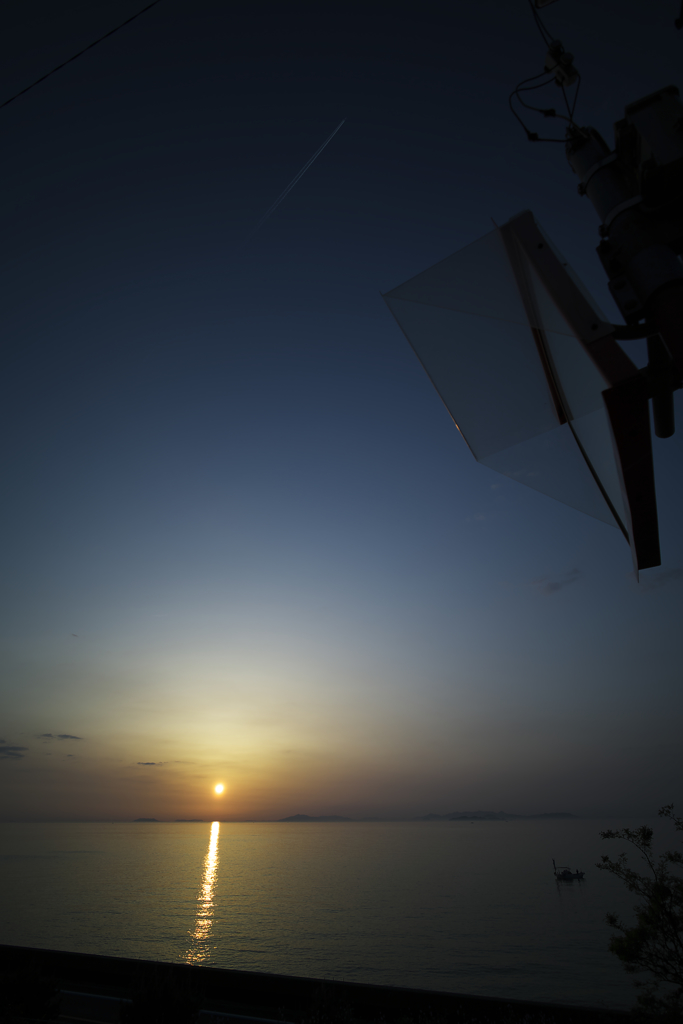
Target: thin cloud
x=8 y=753
x=150 y=762
x=59 y=736
x=549 y=586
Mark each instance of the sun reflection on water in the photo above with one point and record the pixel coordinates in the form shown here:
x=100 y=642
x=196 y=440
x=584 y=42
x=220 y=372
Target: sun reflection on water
x=204 y=919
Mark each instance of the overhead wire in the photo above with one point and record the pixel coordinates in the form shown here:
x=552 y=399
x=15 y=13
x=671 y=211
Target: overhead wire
x=79 y=54
x=576 y=94
x=547 y=112
x=523 y=87
x=545 y=35
x=548 y=40
x=271 y=209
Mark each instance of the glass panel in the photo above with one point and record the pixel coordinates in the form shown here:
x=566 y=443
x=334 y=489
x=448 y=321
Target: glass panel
x=487 y=372
x=581 y=384
x=553 y=464
x=593 y=431
x=467 y=323
x=478 y=279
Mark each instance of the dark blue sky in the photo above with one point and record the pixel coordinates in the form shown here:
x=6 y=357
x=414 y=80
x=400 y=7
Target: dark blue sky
x=243 y=539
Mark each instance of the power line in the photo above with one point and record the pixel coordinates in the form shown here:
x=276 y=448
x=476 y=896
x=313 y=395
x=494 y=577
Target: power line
x=559 y=68
x=549 y=112
x=79 y=54
x=545 y=35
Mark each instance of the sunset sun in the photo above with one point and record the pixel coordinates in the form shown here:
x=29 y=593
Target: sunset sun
x=218 y=788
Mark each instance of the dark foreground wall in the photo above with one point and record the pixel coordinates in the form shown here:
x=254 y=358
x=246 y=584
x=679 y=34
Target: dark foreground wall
x=43 y=984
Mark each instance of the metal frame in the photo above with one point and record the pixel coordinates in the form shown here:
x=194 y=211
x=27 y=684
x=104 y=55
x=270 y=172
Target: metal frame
x=626 y=396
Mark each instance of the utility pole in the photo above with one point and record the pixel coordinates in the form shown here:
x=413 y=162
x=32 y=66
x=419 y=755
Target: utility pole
x=637 y=191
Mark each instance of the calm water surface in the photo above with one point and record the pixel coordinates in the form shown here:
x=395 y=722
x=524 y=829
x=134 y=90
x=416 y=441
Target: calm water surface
x=446 y=905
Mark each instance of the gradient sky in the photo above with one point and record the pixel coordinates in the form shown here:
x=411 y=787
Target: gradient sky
x=242 y=539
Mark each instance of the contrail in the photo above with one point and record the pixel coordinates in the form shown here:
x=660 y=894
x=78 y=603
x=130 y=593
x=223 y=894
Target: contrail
x=274 y=206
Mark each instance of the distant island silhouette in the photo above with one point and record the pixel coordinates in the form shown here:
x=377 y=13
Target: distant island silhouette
x=145 y=819
x=492 y=816
x=453 y=816
x=322 y=817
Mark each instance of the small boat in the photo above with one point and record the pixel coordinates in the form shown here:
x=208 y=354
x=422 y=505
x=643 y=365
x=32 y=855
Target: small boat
x=563 y=874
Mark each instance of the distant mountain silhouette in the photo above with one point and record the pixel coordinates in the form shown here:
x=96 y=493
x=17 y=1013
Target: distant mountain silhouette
x=146 y=819
x=307 y=817
x=491 y=816
x=551 y=814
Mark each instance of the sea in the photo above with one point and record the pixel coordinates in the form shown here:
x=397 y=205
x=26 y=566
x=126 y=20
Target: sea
x=457 y=906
